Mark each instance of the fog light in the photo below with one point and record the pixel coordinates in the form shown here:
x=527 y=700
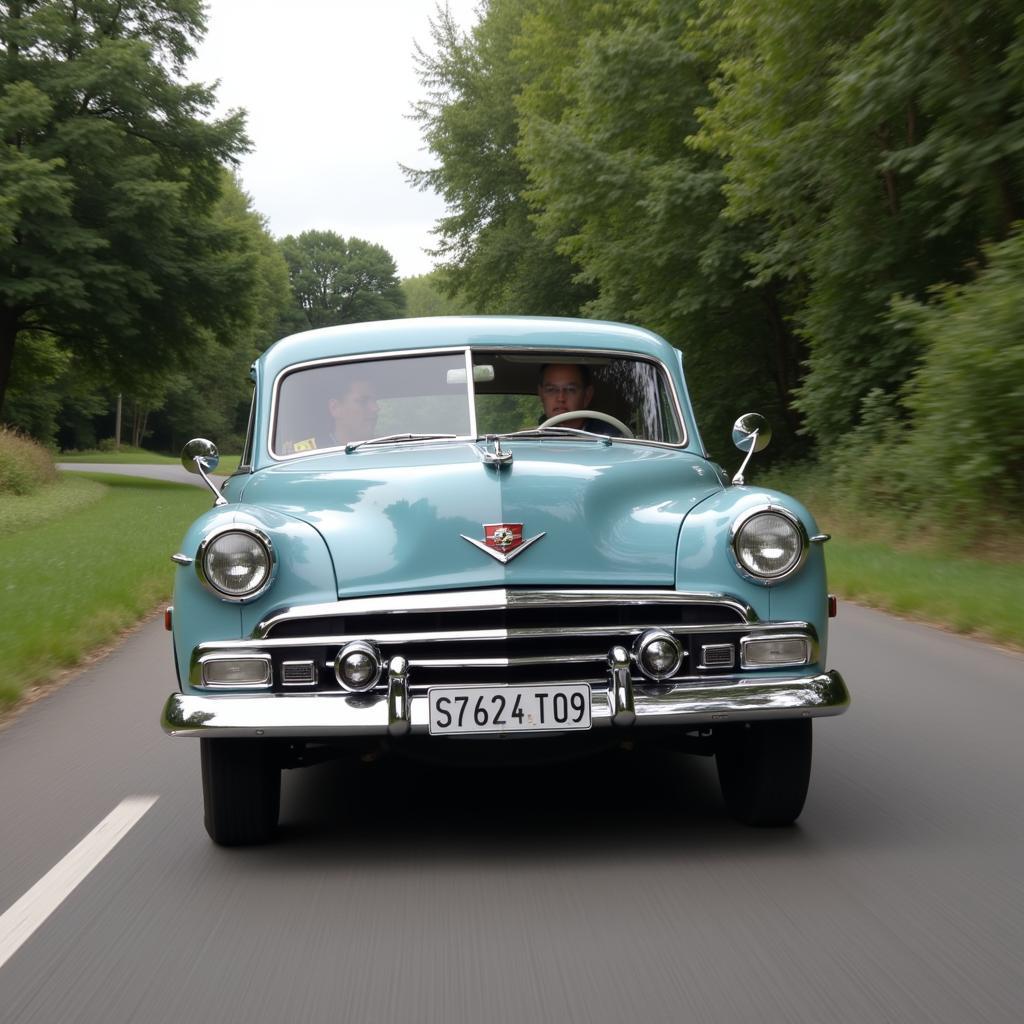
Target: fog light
x=658 y=654
x=771 y=652
x=357 y=666
x=242 y=672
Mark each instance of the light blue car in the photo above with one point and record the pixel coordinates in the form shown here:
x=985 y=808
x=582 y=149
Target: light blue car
x=473 y=536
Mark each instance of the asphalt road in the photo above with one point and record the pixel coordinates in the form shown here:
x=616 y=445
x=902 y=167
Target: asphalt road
x=614 y=890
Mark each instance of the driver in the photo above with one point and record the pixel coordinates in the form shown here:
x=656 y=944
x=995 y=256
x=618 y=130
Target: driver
x=566 y=387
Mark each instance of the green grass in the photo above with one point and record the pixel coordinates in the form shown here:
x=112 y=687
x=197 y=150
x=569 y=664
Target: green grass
x=129 y=456
x=73 y=583
x=61 y=498
x=916 y=569
x=966 y=594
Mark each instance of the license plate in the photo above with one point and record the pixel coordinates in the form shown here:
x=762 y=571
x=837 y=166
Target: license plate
x=555 y=708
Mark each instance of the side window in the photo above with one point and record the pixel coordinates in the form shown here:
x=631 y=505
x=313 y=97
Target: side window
x=250 y=433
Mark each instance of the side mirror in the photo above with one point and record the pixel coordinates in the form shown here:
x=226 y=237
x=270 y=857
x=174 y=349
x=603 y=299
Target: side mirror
x=201 y=456
x=200 y=449
x=750 y=433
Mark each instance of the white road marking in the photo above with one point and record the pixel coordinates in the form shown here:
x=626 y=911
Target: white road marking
x=25 y=916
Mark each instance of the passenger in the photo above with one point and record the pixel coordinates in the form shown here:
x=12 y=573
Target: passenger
x=354 y=413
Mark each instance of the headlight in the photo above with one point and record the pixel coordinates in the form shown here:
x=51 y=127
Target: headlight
x=236 y=563
x=769 y=544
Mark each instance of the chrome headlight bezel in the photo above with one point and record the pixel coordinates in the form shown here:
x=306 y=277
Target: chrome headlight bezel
x=792 y=567
x=204 y=550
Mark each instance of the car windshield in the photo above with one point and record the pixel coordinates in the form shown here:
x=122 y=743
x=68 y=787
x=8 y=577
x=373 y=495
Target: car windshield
x=418 y=397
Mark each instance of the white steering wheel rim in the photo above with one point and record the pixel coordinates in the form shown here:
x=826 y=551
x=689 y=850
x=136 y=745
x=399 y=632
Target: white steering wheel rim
x=588 y=414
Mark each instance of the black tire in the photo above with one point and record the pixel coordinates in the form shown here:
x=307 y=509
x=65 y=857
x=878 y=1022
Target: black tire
x=241 y=791
x=764 y=769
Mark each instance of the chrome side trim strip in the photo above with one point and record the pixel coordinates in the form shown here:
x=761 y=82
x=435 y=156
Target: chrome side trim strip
x=496 y=598
x=339 y=714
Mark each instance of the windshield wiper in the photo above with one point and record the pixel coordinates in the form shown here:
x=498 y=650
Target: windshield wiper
x=557 y=432
x=396 y=438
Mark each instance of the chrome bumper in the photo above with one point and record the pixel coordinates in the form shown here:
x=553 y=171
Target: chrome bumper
x=622 y=704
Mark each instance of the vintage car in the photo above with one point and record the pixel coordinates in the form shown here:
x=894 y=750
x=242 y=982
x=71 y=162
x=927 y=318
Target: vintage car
x=484 y=536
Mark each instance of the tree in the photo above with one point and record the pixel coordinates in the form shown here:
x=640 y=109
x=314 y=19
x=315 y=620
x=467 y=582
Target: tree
x=212 y=399
x=431 y=295
x=339 y=281
x=109 y=169
x=607 y=115
x=881 y=145
x=496 y=257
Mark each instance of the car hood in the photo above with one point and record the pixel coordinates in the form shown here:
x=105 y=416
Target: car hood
x=397 y=519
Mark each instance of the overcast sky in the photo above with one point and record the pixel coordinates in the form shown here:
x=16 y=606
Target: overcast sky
x=327 y=85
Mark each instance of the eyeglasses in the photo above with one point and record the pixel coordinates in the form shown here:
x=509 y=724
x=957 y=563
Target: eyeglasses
x=553 y=390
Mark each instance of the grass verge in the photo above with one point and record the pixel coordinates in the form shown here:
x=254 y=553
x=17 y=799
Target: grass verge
x=64 y=497
x=71 y=584
x=916 y=570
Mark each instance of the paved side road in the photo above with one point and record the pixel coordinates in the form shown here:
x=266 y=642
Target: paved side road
x=175 y=474
x=609 y=891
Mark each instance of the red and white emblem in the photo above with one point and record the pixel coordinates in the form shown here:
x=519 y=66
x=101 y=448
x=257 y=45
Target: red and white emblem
x=503 y=541
x=503 y=537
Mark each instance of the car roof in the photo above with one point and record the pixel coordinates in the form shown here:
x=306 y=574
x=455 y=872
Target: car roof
x=382 y=336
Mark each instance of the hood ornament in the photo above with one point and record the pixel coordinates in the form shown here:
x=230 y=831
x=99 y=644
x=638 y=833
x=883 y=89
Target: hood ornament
x=502 y=541
x=499 y=457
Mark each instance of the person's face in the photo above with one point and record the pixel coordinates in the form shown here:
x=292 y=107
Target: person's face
x=561 y=390
x=355 y=413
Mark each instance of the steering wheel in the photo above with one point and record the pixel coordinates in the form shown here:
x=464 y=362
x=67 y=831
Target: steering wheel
x=588 y=414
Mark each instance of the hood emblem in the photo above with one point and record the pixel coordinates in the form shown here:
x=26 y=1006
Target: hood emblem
x=502 y=541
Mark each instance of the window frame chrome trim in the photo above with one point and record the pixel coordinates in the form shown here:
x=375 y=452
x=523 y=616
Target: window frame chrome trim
x=468 y=349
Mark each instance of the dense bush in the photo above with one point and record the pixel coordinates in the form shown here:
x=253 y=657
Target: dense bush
x=24 y=464
x=950 y=449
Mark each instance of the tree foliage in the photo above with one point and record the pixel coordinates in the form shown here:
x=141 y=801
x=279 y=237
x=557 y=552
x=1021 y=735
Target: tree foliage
x=615 y=179
x=758 y=182
x=431 y=295
x=488 y=242
x=110 y=166
x=341 y=281
x=881 y=144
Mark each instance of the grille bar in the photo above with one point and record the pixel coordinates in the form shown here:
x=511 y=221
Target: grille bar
x=511 y=605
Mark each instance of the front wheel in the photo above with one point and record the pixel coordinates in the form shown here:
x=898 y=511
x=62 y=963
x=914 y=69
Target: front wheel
x=241 y=790
x=764 y=769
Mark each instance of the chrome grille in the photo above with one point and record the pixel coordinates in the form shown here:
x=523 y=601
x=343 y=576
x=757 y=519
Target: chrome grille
x=503 y=636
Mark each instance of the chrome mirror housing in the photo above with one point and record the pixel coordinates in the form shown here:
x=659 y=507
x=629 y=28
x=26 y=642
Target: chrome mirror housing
x=750 y=433
x=201 y=456
x=199 y=448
